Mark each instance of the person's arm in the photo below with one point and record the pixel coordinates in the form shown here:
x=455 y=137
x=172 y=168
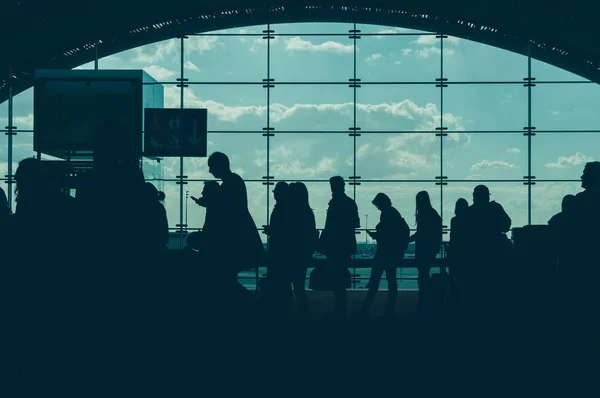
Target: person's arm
x=504 y=220
x=356 y=216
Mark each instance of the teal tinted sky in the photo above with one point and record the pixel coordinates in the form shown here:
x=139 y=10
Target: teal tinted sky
x=381 y=109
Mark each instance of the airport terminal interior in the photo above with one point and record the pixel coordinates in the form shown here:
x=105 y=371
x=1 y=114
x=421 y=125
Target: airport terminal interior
x=396 y=99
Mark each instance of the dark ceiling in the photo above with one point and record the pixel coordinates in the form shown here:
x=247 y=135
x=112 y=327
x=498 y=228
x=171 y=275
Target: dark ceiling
x=57 y=34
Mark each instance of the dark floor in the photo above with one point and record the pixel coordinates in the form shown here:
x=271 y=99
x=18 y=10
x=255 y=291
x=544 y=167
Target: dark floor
x=321 y=303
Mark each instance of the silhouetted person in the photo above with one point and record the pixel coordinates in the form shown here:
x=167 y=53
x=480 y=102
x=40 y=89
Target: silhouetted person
x=156 y=224
x=214 y=231
x=428 y=239
x=278 y=232
x=585 y=235
x=338 y=241
x=245 y=248
x=487 y=224
x=41 y=282
x=458 y=251
x=392 y=234
x=303 y=240
x=561 y=226
x=5 y=221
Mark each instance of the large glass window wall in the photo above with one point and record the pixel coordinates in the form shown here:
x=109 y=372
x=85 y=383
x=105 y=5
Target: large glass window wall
x=389 y=109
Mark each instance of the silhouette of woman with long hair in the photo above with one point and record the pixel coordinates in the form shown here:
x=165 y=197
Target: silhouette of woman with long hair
x=303 y=239
x=392 y=235
x=428 y=239
x=458 y=251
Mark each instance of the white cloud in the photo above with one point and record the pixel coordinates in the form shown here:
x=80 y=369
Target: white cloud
x=432 y=51
x=498 y=164
x=362 y=151
x=398 y=62
x=507 y=99
x=189 y=65
x=159 y=73
x=408 y=160
x=474 y=177
x=389 y=31
x=324 y=165
x=428 y=40
x=157 y=52
x=298 y=44
x=425 y=118
x=513 y=150
x=374 y=58
x=564 y=162
x=553 y=112
x=21 y=122
x=407 y=51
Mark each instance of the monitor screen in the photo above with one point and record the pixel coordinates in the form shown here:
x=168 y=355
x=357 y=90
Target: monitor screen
x=67 y=112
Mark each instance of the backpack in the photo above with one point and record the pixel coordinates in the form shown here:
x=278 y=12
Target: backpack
x=404 y=233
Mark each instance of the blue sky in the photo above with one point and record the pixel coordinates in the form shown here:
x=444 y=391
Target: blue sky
x=413 y=107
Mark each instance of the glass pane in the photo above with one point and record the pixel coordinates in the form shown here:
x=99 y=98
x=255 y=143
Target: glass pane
x=161 y=60
x=3 y=145
x=402 y=196
x=246 y=152
x=399 y=58
x=226 y=58
x=546 y=198
x=496 y=107
x=172 y=202
x=512 y=196
x=485 y=156
x=312 y=28
x=546 y=72
x=311 y=58
x=230 y=107
x=397 y=156
x=311 y=156
x=383 y=32
x=400 y=108
x=466 y=60
x=565 y=106
x=562 y=156
x=171 y=168
x=311 y=108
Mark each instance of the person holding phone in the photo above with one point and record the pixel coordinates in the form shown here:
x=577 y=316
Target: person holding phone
x=392 y=234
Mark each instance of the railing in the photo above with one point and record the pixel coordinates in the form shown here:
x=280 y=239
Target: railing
x=357 y=263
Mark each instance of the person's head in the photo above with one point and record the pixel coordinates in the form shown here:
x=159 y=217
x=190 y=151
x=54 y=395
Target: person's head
x=28 y=177
x=460 y=207
x=218 y=165
x=481 y=195
x=568 y=203
x=281 y=191
x=382 y=201
x=210 y=192
x=337 y=185
x=151 y=192
x=423 y=201
x=298 y=194
x=590 y=179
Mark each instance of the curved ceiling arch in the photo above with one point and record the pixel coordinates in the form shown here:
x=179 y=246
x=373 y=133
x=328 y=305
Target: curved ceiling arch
x=62 y=34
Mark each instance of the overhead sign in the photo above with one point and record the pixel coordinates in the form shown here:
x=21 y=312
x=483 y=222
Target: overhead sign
x=175 y=132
